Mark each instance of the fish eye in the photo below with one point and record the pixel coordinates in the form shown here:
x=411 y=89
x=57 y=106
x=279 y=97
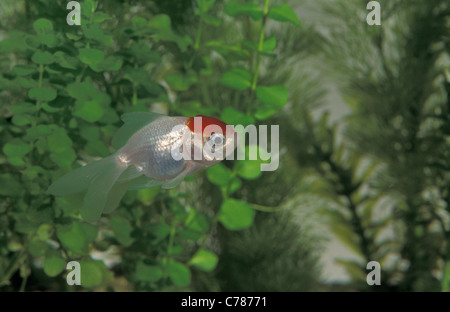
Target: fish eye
x=217 y=138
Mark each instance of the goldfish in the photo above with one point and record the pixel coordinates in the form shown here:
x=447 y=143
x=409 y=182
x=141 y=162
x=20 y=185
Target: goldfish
x=151 y=149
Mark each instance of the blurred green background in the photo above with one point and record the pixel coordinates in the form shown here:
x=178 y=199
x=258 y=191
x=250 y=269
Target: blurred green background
x=364 y=119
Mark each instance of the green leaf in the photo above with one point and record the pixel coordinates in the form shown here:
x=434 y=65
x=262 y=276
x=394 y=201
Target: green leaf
x=83 y=91
x=91 y=111
x=37 y=248
x=268 y=45
x=90 y=231
x=44 y=94
x=232 y=116
x=159 y=230
x=237 y=78
x=16 y=148
x=205 y=5
x=219 y=174
x=236 y=214
x=205 y=260
x=63 y=158
x=66 y=61
x=45 y=231
x=91 y=56
x=283 y=13
x=10 y=185
x=249 y=169
x=148 y=273
x=59 y=141
x=24 y=70
x=43 y=26
x=100 y=17
x=73 y=237
x=54 y=265
x=179 y=273
x=110 y=63
x=179 y=82
x=196 y=222
x=122 y=230
x=147 y=195
x=91 y=274
x=234 y=9
x=264 y=112
x=274 y=96
x=236 y=184
x=27 y=83
x=142 y=52
x=208 y=19
x=160 y=26
x=43 y=57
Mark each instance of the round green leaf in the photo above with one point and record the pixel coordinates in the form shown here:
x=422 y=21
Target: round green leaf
x=43 y=26
x=196 y=222
x=63 y=158
x=59 y=141
x=283 y=13
x=44 y=94
x=72 y=237
x=236 y=214
x=179 y=82
x=91 y=274
x=234 y=117
x=234 y=8
x=90 y=111
x=249 y=169
x=274 y=96
x=148 y=273
x=179 y=273
x=237 y=78
x=43 y=57
x=205 y=260
x=122 y=230
x=264 y=112
x=54 y=265
x=16 y=148
x=24 y=70
x=219 y=174
x=91 y=56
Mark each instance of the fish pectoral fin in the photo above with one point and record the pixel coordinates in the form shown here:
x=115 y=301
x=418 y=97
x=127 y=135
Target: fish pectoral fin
x=177 y=180
x=143 y=182
x=132 y=123
x=129 y=174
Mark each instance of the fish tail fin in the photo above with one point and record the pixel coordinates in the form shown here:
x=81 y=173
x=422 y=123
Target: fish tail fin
x=99 y=178
x=99 y=195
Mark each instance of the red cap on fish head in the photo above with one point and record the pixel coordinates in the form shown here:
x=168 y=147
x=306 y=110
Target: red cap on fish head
x=206 y=121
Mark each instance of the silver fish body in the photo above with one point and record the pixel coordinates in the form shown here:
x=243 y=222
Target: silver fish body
x=150 y=149
x=144 y=158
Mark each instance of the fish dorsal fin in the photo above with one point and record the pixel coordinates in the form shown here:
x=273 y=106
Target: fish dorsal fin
x=143 y=182
x=132 y=123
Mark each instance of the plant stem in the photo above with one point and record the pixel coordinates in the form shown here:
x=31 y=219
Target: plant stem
x=38 y=102
x=196 y=44
x=199 y=35
x=446 y=277
x=169 y=249
x=258 y=58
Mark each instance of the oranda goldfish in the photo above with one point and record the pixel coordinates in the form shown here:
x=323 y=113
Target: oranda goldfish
x=152 y=149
